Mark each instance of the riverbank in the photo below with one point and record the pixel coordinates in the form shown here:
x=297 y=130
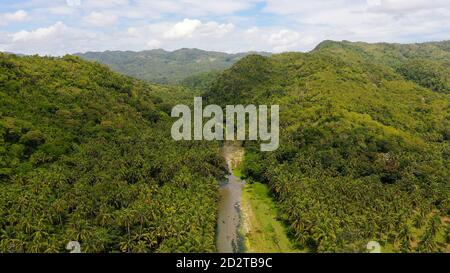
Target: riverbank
x=248 y=216
x=262 y=230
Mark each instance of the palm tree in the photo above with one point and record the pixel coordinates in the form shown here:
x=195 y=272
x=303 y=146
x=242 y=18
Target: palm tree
x=405 y=239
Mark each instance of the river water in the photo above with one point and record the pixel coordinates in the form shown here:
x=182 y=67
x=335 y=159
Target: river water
x=229 y=239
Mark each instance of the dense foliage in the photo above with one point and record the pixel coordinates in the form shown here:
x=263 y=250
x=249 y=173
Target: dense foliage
x=426 y=64
x=201 y=82
x=162 y=66
x=86 y=155
x=365 y=142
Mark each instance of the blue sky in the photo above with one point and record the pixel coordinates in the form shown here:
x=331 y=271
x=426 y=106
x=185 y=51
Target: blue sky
x=57 y=27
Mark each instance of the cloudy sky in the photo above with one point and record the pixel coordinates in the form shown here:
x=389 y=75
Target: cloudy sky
x=57 y=27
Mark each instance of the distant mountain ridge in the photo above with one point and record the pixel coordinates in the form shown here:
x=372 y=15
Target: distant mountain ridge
x=167 y=67
x=12 y=53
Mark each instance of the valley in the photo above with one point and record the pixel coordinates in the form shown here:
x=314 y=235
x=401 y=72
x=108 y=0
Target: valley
x=248 y=216
x=364 y=152
x=182 y=66
x=230 y=219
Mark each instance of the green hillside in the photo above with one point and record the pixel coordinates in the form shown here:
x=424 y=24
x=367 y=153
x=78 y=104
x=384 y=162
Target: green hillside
x=162 y=66
x=365 y=142
x=86 y=155
x=426 y=64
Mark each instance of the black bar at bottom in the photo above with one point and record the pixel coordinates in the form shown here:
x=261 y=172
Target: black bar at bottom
x=222 y=262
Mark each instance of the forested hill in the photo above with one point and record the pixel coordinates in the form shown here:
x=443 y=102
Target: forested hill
x=86 y=155
x=427 y=64
x=162 y=66
x=365 y=142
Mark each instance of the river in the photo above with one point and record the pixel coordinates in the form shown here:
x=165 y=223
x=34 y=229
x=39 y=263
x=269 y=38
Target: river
x=229 y=239
x=248 y=219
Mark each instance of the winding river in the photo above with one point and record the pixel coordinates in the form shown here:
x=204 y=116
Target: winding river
x=229 y=239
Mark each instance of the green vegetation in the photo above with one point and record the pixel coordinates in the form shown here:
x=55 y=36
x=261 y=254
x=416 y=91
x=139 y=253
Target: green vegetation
x=364 y=151
x=426 y=64
x=264 y=232
x=165 y=67
x=86 y=155
x=201 y=82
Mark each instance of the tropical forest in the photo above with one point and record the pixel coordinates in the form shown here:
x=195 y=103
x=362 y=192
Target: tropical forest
x=86 y=152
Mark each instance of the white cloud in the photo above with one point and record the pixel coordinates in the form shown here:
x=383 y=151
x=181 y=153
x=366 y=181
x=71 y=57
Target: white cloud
x=215 y=30
x=60 y=10
x=195 y=8
x=201 y=7
x=373 y=3
x=399 y=6
x=154 y=44
x=18 y=16
x=183 y=29
x=40 y=33
x=289 y=40
x=370 y=20
x=290 y=7
x=73 y=3
x=223 y=25
x=57 y=39
x=104 y=4
x=252 y=30
x=189 y=28
x=284 y=40
x=14 y=17
x=99 y=19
